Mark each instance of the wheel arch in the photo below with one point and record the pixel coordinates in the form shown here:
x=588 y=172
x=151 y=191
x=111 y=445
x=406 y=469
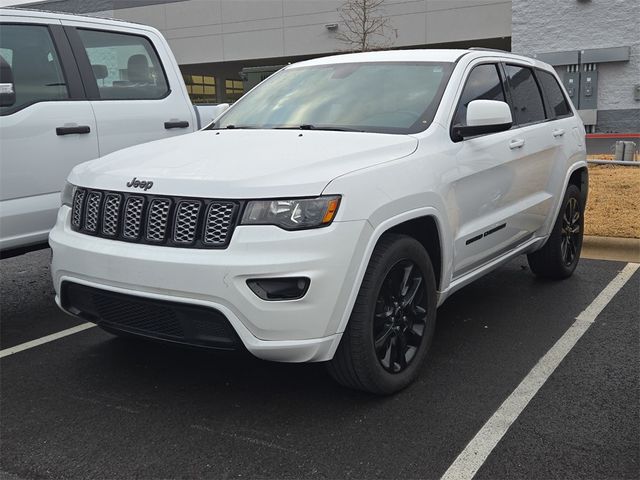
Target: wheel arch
x=406 y=223
x=425 y=230
x=577 y=175
x=580 y=178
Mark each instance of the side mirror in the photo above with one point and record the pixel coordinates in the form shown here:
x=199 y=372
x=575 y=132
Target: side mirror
x=7 y=92
x=221 y=108
x=484 y=116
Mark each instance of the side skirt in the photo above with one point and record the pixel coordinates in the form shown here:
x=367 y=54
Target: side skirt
x=465 y=279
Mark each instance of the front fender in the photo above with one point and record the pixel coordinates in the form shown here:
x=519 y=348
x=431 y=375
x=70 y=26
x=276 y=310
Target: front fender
x=369 y=245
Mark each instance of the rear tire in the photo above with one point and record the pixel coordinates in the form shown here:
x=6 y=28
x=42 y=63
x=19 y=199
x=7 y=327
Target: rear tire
x=560 y=255
x=392 y=322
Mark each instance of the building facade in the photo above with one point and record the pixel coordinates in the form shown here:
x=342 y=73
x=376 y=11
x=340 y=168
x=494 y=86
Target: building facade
x=213 y=40
x=593 y=44
x=595 y=47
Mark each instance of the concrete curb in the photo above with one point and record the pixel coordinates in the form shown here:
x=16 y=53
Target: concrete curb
x=611 y=248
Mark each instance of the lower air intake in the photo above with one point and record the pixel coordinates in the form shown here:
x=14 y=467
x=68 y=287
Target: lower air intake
x=171 y=321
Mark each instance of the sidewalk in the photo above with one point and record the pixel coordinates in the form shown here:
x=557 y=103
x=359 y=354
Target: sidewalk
x=611 y=248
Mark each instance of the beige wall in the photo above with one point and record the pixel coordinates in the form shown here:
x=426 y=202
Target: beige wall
x=205 y=31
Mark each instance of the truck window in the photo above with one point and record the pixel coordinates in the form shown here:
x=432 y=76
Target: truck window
x=527 y=101
x=125 y=67
x=483 y=83
x=553 y=92
x=37 y=74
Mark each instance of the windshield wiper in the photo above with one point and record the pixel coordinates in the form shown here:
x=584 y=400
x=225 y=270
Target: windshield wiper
x=238 y=127
x=308 y=126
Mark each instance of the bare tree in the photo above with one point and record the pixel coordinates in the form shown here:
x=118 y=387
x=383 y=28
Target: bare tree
x=364 y=26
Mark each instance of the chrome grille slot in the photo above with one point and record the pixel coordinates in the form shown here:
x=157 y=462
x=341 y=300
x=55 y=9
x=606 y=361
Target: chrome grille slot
x=132 y=217
x=111 y=214
x=218 y=223
x=78 y=204
x=157 y=219
x=92 y=211
x=186 y=221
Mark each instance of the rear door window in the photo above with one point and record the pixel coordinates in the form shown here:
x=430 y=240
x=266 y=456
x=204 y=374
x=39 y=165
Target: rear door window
x=555 y=98
x=34 y=62
x=527 y=103
x=125 y=67
x=483 y=83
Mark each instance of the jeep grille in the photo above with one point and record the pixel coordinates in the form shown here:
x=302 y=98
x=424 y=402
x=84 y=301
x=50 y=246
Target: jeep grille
x=156 y=220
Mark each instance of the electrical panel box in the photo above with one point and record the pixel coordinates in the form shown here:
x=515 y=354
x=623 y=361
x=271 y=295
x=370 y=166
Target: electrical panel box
x=589 y=90
x=571 y=82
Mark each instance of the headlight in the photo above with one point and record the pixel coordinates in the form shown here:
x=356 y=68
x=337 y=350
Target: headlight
x=66 y=196
x=294 y=214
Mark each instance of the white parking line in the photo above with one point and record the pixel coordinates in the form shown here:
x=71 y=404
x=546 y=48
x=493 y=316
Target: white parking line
x=478 y=449
x=49 y=338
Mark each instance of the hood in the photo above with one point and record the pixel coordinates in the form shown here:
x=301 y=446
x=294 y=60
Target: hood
x=242 y=163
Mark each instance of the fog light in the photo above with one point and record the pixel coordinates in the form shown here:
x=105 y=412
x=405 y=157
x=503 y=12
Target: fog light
x=290 y=288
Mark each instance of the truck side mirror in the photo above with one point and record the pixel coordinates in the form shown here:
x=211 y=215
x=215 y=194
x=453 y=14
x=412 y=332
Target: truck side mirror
x=484 y=116
x=7 y=92
x=222 y=107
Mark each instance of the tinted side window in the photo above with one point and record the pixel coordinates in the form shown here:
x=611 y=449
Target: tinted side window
x=124 y=66
x=527 y=102
x=553 y=92
x=37 y=74
x=483 y=83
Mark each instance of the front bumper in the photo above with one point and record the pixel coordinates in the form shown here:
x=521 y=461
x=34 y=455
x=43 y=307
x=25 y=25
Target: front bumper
x=294 y=330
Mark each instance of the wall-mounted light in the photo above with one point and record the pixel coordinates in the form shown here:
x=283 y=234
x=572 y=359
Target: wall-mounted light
x=331 y=26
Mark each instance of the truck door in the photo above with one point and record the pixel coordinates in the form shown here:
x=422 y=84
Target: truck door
x=135 y=91
x=44 y=132
x=501 y=196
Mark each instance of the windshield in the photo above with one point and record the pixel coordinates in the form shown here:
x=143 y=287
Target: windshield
x=391 y=97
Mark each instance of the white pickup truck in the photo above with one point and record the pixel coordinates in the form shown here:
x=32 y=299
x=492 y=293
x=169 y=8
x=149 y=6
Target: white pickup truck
x=74 y=88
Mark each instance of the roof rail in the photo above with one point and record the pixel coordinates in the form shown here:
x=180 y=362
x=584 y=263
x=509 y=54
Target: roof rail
x=488 y=49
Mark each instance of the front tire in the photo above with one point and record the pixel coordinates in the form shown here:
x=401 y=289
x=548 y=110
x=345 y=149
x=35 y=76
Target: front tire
x=392 y=322
x=560 y=255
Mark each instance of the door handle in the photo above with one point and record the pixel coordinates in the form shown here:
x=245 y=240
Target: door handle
x=178 y=124
x=519 y=143
x=558 y=133
x=81 y=129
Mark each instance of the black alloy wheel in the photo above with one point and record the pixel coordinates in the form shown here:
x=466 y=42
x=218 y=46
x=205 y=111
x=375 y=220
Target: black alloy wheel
x=559 y=256
x=571 y=231
x=400 y=316
x=392 y=322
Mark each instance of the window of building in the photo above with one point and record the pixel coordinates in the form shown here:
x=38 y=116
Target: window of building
x=233 y=89
x=483 y=83
x=125 y=66
x=553 y=92
x=37 y=73
x=201 y=88
x=527 y=101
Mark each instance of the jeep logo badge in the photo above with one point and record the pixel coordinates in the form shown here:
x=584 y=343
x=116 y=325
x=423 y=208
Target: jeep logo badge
x=143 y=184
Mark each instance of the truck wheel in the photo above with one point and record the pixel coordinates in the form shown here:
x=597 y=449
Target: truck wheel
x=392 y=321
x=559 y=256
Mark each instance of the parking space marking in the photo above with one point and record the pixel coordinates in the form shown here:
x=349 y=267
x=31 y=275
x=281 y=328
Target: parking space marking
x=49 y=338
x=478 y=449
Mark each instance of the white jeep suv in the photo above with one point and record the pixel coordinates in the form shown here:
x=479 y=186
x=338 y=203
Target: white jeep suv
x=327 y=214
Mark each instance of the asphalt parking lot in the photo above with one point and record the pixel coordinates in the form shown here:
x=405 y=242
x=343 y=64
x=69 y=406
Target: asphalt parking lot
x=90 y=405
